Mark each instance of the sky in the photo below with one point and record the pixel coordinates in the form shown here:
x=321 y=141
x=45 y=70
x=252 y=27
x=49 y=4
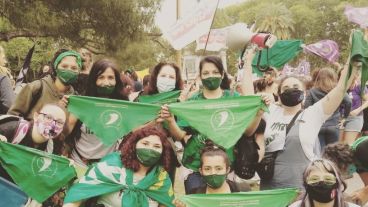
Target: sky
x=167 y=15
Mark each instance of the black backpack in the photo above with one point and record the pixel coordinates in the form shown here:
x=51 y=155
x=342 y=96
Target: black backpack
x=246 y=157
x=246 y=154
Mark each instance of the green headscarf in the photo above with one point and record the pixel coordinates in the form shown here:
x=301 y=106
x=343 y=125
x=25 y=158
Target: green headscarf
x=68 y=53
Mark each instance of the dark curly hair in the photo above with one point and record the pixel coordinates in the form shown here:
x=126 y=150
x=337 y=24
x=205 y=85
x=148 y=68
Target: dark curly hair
x=152 y=87
x=340 y=154
x=128 y=147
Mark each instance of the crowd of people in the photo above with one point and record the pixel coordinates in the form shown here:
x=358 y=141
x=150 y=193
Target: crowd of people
x=308 y=140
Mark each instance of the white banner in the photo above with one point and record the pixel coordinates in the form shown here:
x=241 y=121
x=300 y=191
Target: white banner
x=216 y=40
x=192 y=26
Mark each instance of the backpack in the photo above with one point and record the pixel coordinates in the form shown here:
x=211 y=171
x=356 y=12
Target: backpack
x=246 y=154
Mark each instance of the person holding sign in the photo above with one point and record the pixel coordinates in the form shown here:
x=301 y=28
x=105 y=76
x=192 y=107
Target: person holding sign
x=324 y=186
x=216 y=86
x=136 y=176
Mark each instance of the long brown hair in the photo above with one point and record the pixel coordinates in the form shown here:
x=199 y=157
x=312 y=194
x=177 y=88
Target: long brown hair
x=128 y=147
x=325 y=79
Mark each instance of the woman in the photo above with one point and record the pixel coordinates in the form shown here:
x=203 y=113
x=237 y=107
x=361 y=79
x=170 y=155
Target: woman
x=324 y=186
x=138 y=173
x=216 y=86
x=42 y=133
x=165 y=77
x=354 y=122
x=293 y=149
x=50 y=89
x=325 y=80
x=215 y=165
x=103 y=81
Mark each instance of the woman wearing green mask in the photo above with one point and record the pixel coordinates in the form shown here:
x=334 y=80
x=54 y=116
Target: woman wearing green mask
x=215 y=165
x=215 y=86
x=66 y=65
x=104 y=82
x=135 y=176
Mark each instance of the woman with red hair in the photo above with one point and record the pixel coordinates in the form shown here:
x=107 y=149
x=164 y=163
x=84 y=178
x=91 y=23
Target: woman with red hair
x=135 y=176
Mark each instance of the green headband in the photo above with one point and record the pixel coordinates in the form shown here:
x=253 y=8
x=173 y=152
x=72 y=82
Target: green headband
x=68 y=53
x=357 y=142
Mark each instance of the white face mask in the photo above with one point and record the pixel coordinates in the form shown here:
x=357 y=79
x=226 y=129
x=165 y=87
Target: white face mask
x=165 y=84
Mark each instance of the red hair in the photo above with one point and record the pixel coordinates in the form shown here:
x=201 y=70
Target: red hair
x=128 y=146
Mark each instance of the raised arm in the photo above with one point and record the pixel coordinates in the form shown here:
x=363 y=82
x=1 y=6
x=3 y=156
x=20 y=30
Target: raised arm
x=333 y=99
x=247 y=83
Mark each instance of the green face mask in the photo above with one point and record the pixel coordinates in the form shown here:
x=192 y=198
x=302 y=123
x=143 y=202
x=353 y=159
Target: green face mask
x=212 y=83
x=106 y=90
x=148 y=157
x=67 y=76
x=214 y=181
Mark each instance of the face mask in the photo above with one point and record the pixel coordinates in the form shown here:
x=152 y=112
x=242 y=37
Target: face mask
x=67 y=76
x=292 y=97
x=105 y=90
x=214 y=181
x=212 y=83
x=148 y=157
x=165 y=84
x=48 y=130
x=321 y=192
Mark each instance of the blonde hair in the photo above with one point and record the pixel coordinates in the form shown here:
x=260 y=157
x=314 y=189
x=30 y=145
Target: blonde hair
x=325 y=79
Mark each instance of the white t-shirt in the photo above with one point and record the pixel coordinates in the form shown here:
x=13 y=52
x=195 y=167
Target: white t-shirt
x=298 y=203
x=114 y=199
x=90 y=147
x=310 y=122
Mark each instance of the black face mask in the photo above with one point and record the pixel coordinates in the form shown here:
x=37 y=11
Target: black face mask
x=292 y=97
x=321 y=192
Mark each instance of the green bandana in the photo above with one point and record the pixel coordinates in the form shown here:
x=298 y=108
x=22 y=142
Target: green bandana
x=106 y=90
x=357 y=142
x=214 y=181
x=359 y=52
x=148 y=157
x=107 y=176
x=212 y=83
x=67 y=76
x=68 y=53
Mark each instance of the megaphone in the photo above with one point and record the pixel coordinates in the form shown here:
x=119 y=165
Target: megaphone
x=239 y=36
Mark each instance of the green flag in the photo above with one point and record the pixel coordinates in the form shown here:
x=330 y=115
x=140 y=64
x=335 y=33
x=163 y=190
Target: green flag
x=161 y=98
x=278 y=55
x=107 y=176
x=359 y=52
x=274 y=198
x=111 y=119
x=37 y=173
x=223 y=121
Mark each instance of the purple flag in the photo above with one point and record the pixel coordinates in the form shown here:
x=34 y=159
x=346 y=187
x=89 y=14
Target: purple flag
x=357 y=15
x=326 y=49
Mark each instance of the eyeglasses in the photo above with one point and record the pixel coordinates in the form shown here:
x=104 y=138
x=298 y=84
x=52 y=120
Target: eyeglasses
x=315 y=179
x=48 y=118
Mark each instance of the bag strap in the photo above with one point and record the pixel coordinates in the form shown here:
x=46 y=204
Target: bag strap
x=36 y=97
x=292 y=122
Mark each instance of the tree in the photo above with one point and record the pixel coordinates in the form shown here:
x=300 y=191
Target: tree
x=105 y=24
x=278 y=21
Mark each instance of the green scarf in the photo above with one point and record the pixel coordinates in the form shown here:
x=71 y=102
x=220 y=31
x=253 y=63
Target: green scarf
x=359 y=51
x=105 y=177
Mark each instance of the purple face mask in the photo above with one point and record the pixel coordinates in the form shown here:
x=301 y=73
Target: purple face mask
x=48 y=130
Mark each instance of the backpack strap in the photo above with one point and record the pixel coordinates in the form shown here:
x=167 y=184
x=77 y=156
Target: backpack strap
x=36 y=97
x=292 y=122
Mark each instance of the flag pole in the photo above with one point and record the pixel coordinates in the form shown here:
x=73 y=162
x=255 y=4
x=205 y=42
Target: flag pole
x=209 y=32
x=178 y=52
